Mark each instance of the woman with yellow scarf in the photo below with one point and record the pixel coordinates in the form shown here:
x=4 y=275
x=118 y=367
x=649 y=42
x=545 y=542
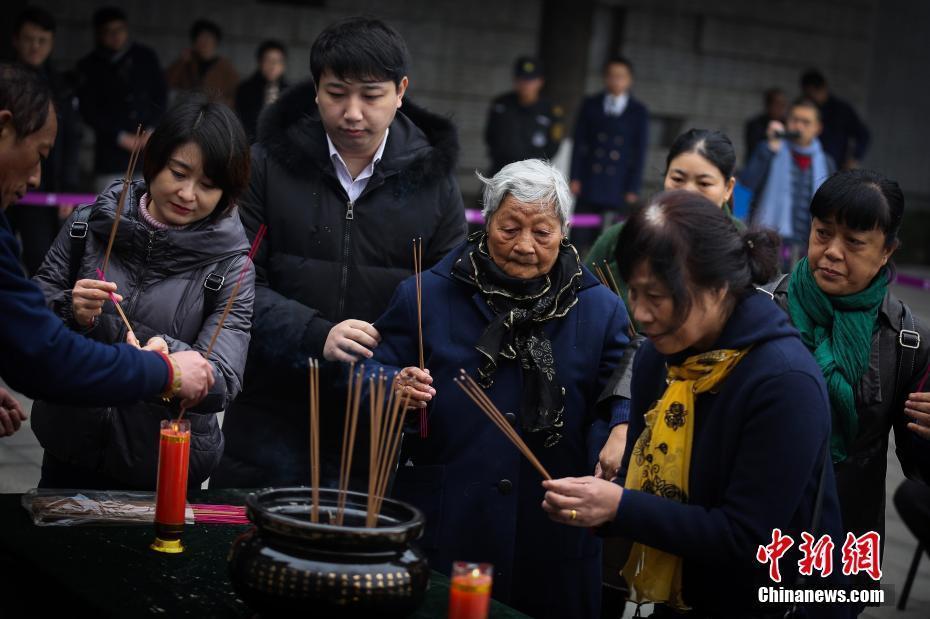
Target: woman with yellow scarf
x=729 y=426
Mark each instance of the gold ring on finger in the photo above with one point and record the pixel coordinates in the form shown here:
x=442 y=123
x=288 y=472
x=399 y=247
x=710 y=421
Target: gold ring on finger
x=574 y=513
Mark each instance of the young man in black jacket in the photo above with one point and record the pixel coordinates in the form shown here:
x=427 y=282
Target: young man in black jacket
x=344 y=188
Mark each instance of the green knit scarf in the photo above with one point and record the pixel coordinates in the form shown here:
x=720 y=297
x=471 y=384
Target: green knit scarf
x=838 y=331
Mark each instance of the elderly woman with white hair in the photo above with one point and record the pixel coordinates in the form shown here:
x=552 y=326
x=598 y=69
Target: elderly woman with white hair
x=516 y=309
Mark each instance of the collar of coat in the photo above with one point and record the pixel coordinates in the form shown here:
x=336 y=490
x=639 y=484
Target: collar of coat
x=172 y=251
x=420 y=143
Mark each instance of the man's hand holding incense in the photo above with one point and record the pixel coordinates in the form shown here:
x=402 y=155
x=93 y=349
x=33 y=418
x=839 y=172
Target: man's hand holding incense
x=917 y=408
x=416 y=384
x=12 y=415
x=581 y=501
x=351 y=340
x=196 y=377
x=87 y=299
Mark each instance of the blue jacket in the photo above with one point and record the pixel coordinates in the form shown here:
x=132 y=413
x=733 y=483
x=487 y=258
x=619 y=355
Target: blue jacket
x=42 y=358
x=759 y=447
x=609 y=155
x=480 y=496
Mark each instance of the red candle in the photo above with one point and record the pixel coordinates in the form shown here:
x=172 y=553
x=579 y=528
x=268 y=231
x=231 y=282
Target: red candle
x=174 y=448
x=470 y=592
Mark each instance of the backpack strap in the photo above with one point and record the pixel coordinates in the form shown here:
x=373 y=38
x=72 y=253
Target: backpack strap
x=78 y=235
x=908 y=344
x=213 y=282
x=779 y=284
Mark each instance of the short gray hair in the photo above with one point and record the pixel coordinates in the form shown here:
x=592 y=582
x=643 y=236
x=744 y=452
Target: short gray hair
x=532 y=181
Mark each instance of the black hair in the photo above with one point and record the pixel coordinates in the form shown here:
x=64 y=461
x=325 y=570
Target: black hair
x=806 y=102
x=106 y=14
x=861 y=200
x=205 y=25
x=360 y=48
x=713 y=146
x=217 y=131
x=266 y=46
x=770 y=94
x=25 y=93
x=812 y=78
x=690 y=244
x=34 y=15
x=617 y=60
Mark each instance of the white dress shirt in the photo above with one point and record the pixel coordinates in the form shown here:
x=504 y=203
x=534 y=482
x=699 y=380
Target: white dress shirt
x=615 y=105
x=354 y=186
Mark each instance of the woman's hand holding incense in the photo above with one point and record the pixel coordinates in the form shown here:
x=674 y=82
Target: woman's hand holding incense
x=609 y=459
x=416 y=384
x=196 y=377
x=12 y=414
x=351 y=340
x=87 y=299
x=581 y=501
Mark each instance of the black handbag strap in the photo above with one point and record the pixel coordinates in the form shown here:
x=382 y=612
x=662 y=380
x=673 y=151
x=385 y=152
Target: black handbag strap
x=908 y=345
x=78 y=235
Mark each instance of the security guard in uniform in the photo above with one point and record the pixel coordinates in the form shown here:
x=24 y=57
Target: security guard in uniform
x=521 y=123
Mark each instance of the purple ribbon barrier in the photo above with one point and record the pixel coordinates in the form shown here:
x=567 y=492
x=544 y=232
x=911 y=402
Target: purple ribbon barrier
x=473 y=216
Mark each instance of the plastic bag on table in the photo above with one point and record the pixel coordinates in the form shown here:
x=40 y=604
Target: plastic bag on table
x=50 y=507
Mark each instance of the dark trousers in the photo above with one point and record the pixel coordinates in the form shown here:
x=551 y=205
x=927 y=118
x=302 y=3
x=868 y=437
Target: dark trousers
x=912 y=499
x=37 y=227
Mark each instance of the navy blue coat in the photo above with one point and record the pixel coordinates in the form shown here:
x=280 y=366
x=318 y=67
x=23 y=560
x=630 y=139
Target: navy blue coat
x=759 y=447
x=42 y=358
x=609 y=154
x=480 y=496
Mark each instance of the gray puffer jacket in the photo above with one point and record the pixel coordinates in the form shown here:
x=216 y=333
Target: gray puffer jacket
x=161 y=276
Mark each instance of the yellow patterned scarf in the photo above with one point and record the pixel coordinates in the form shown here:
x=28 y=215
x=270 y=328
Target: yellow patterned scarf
x=660 y=464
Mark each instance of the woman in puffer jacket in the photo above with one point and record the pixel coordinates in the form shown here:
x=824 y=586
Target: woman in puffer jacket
x=178 y=251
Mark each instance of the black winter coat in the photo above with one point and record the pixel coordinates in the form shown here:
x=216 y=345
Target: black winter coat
x=118 y=92
x=326 y=260
x=160 y=275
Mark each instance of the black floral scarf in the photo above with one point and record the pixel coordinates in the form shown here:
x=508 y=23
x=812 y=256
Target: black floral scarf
x=521 y=306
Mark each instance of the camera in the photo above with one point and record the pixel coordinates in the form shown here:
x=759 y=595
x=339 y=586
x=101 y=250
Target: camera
x=787 y=135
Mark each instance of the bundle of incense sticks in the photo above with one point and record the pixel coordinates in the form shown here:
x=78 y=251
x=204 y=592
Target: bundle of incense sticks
x=120 y=204
x=256 y=243
x=219 y=514
x=314 y=369
x=130 y=171
x=479 y=397
x=418 y=277
x=387 y=428
x=350 y=422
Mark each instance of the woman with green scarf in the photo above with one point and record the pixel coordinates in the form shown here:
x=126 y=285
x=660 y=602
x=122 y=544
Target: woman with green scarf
x=872 y=350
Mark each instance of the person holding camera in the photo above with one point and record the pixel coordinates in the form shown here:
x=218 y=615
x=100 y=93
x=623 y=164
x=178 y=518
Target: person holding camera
x=783 y=173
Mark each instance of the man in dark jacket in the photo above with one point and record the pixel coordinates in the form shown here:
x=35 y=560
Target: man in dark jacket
x=845 y=137
x=609 y=155
x=33 y=41
x=265 y=85
x=521 y=123
x=122 y=86
x=343 y=188
x=39 y=355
